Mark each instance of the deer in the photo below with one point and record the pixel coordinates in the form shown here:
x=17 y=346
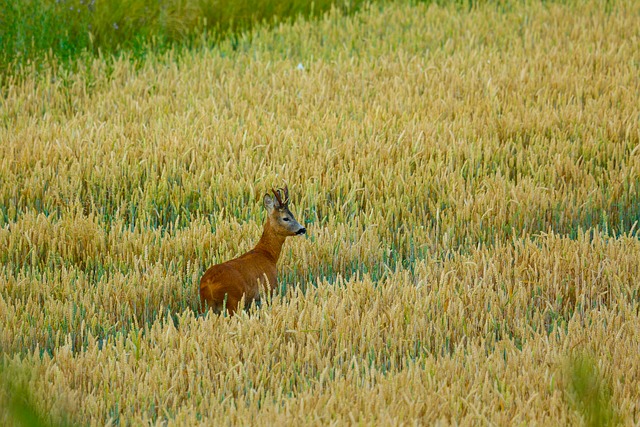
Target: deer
x=223 y=285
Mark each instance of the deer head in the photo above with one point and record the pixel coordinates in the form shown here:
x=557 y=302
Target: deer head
x=280 y=217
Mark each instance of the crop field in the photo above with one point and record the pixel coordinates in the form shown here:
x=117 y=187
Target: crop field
x=470 y=182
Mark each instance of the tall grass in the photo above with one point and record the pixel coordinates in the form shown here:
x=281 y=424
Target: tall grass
x=469 y=180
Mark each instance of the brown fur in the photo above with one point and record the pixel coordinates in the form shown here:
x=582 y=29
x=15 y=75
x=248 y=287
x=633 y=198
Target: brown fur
x=225 y=284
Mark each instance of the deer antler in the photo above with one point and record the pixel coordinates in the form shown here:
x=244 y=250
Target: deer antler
x=276 y=193
x=285 y=192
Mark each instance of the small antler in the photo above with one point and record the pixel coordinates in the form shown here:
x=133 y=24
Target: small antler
x=279 y=197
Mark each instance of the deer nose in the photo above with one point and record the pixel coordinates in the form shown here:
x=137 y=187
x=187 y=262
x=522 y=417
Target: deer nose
x=301 y=231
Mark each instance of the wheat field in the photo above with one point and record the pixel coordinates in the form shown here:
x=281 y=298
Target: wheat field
x=470 y=182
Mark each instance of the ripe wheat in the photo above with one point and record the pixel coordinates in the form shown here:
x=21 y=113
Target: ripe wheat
x=468 y=179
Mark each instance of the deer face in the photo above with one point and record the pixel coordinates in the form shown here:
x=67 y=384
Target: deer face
x=280 y=217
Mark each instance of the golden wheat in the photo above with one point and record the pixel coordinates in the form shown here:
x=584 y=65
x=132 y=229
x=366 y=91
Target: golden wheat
x=469 y=179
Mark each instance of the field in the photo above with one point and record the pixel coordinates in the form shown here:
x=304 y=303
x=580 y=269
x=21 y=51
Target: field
x=470 y=182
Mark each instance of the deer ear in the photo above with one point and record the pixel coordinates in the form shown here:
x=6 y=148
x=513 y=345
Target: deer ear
x=269 y=203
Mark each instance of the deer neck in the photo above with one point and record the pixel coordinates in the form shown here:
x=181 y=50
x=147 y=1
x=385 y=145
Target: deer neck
x=270 y=243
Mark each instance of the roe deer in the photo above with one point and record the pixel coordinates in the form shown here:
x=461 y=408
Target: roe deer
x=225 y=284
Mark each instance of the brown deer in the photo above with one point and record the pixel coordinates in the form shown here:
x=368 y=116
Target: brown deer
x=224 y=285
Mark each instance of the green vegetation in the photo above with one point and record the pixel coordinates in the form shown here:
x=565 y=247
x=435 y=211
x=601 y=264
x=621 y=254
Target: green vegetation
x=41 y=32
x=16 y=402
x=591 y=393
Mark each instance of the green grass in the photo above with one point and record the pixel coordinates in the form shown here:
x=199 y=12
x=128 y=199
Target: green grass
x=44 y=32
x=590 y=393
x=17 y=402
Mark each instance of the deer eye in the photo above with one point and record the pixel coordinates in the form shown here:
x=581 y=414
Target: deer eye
x=285 y=219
